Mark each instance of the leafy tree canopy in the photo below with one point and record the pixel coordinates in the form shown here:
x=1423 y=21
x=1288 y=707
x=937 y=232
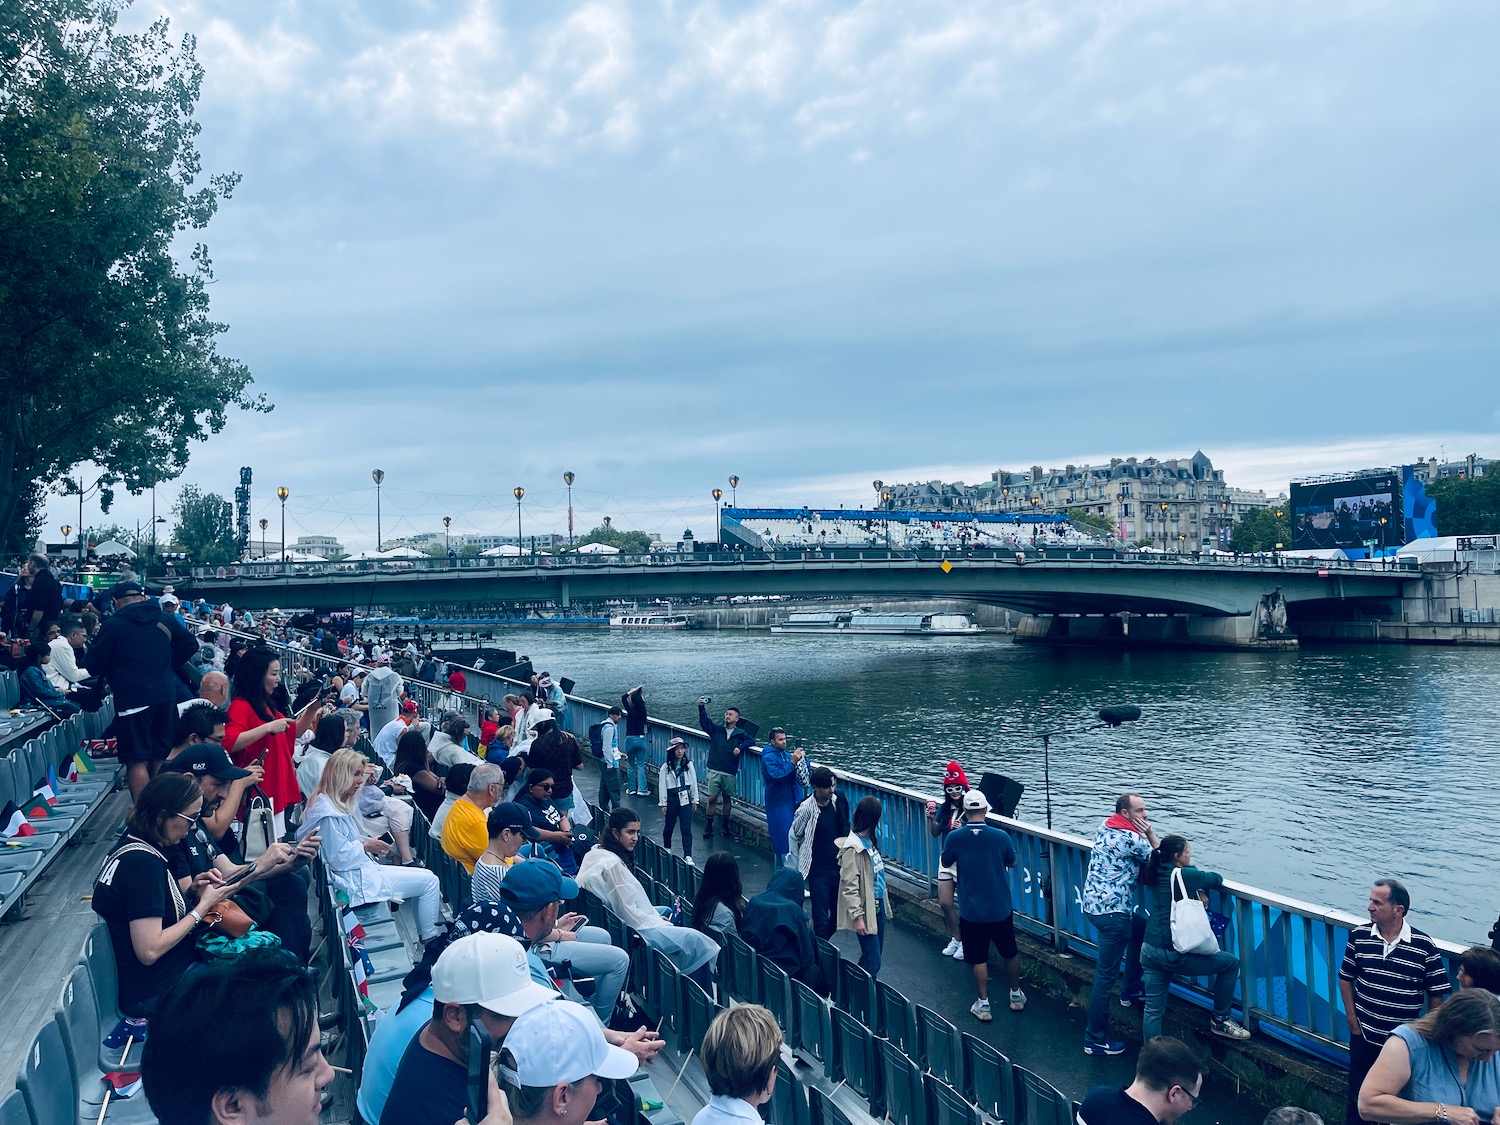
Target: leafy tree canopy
x=1262 y=530
x=205 y=527
x=1090 y=522
x=107 y=350
x=1467 y=507
x=629 y=542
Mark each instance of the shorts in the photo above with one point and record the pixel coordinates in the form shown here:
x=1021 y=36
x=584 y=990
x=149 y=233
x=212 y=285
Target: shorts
x=977 y=936
x=145 y=736
x=720 y=783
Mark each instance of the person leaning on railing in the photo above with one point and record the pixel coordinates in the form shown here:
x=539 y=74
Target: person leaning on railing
x=1440 y=1068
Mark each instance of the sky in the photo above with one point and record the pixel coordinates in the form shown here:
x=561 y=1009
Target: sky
x=815 y=244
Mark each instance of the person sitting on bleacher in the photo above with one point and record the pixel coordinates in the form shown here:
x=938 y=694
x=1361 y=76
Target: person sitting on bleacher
x=238 y=1042
x=480 y=982
x=740 y=1052
x=397 y=1027
x=275 y=893
x=150 y=924
x=36 y=688
x=549 y=1057
x=348 y=856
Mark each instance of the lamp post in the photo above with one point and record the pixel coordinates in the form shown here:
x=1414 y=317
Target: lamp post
x=877 y=485
x=885 y=504
x=568 y=478
x=518 y=492
x=447 y=523
x=718 y=515
x=281 y=494
x=734 y=496
x=264 y=523
x=378 y=476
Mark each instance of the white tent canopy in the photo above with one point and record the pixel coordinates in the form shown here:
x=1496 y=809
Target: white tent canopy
x=503 y=549
x=113 y=547
x=365 y=556
x=598 y=549
x=401 y=553
x=291 y=556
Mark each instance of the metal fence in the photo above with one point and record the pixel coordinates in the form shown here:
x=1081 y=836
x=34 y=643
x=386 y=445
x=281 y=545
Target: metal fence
x=1289 y=951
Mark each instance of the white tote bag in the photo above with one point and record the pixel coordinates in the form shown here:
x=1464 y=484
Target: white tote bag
x=260 y=828
x=1191 y=932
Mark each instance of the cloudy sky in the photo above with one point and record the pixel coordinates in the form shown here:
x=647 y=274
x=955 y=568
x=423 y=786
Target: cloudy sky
x=817 y=243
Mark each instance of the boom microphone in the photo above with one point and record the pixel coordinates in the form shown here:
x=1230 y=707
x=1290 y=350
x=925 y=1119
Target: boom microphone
x=1123 y=713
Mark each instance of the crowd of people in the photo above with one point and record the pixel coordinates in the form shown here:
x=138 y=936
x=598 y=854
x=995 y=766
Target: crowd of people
x=242 y=771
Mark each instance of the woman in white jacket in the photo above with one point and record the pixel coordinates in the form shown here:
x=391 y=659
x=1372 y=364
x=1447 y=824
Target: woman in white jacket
x=677 y=784
x=350 y=857
x=608 y=870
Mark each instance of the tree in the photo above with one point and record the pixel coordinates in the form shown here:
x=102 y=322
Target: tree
x=205 y=527
x=1467 y=507
x=469 y=551
x=1262 y=529
x=107 y=351
x=1091 y=522
x=629 y=542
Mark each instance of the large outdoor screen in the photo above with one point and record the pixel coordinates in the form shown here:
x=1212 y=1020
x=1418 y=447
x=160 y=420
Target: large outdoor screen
x=1348 y=513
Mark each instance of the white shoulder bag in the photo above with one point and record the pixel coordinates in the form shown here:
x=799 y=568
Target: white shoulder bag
x=1191 y=932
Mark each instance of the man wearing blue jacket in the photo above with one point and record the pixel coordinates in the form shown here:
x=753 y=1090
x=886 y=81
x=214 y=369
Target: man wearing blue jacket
x=136 y=650
x=779 y=769
x=726 y=745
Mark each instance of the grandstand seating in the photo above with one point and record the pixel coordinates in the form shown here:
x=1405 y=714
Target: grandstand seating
x=789 y=529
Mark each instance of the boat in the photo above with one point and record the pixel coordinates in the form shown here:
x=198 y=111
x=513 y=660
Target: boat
x=865 y=622
x=648 y=619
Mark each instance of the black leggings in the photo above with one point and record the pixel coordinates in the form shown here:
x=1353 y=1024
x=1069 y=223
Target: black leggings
x=678 y=813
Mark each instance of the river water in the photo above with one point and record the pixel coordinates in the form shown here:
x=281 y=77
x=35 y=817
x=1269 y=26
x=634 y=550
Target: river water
x=1306 y=773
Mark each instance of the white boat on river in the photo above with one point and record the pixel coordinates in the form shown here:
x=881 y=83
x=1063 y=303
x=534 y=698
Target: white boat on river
x=864 y=622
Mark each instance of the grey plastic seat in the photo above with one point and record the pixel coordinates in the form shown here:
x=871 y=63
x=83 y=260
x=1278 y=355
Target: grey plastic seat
x=1038 y=1102
x=98 y=960
x=901 y=1079
x=989 y=1079
x=47 y=1078
x=946 y=1106
x=81 y=1039
x=939 y=1048
x=854 y=1059
x=13 y=1109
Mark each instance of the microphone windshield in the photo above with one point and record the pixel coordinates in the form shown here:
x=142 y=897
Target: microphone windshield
x=1122 y=713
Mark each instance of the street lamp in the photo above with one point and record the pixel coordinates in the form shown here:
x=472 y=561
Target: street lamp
x=885 y=503
x=378 y=476
x=264 y=523
x=877 y=485
x=281 y=494
x=67 y=531
x=447 y=523
x=568 y=478
x=718 y=515
x=734 y=496
x=518 y=492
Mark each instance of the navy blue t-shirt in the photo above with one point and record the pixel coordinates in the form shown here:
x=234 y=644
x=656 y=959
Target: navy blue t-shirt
x=983 y=854
x=1111 y=1105
x=429 y=1089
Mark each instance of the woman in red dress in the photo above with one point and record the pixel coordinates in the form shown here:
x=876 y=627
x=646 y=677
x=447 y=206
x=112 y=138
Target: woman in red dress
x=258 y=731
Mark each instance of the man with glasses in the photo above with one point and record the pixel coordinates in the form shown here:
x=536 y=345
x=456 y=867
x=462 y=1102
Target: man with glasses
x=1168 y=1084
x=1121 y=847
x=549 y=821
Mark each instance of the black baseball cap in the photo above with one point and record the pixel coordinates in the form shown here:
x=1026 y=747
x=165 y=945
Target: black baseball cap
x=206 y=758
x=508 y=814
x=125 y=589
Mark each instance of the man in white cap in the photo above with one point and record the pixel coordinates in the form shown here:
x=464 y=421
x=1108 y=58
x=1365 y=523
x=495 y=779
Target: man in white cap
x=977 y=857
x=555 y=1063
x=481 y=982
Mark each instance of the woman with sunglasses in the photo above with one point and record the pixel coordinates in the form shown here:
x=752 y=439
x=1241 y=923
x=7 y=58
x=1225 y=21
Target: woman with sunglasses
x=550 y=822
x=941 y=820
x=150 y=923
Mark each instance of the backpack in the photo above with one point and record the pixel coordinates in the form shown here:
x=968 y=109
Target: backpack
x=596 y=740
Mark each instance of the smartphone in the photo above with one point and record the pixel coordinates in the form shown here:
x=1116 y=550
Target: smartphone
x=233 y=879
x=479 y=1073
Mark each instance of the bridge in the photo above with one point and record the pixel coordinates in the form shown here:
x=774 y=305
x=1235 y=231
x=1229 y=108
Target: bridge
x=1214 y=600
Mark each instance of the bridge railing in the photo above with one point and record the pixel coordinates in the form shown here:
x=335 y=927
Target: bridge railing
x=1289 y=950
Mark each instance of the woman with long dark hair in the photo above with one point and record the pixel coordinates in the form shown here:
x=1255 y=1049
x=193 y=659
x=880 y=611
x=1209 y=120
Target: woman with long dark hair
x=413 y=761
x=258 y=731
x=718 y=903
x=608 y=870
x=863 y=905
x=1169 y=867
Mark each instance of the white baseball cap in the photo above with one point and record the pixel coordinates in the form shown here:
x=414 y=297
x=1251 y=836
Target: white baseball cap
x=562 y=1042
x=489 y=970
x=975 y=800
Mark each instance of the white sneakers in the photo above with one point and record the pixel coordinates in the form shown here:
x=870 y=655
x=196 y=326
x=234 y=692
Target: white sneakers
x=689 y=861
x=1017 y=1000
x=954 y=948
x=980 y=1010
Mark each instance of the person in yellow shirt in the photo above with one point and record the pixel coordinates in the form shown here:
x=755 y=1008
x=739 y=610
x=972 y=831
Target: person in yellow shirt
x=466 y=832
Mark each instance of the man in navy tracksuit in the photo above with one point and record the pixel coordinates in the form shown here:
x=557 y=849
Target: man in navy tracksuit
x=726 y=746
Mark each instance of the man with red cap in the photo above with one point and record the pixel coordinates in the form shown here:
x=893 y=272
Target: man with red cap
x=941 y=820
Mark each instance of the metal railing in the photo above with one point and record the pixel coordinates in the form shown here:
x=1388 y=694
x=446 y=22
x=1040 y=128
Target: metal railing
x=1289 y=951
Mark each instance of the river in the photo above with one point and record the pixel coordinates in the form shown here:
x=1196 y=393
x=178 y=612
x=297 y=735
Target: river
x=1306 y=773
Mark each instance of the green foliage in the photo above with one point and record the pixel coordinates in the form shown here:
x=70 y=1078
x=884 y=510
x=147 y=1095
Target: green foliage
x=629 y=542
x=205 y=527
x=469 y=551
x=435 y=551
x=1262 y=530
x=1090 y=522
x=107 y=351
x=1467 y=507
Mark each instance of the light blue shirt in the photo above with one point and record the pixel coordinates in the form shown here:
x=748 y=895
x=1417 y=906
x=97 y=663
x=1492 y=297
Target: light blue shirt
x=393 y=1034
x=727 y=1111
x=1434 y=1076
x=877 y=864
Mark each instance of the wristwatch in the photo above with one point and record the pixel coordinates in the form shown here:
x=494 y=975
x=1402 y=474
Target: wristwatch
x=198 y=918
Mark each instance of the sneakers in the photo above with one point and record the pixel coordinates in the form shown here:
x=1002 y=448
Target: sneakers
x=708 y=833
x=1103 y=1047
x=1228 y=1029
x=1130 y=997
x=689 y=861
x=958 y=954
x=1017 y=999
x=953 y=949
x=980 y=1010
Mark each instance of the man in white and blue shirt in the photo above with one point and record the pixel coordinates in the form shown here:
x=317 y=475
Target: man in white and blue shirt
x=1121 y=847
x=610 y=792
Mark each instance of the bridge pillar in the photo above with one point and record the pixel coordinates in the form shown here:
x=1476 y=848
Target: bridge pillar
x=567 y=600
x=1264 y=629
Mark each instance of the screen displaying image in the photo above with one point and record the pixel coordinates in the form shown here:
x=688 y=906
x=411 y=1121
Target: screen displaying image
x=1346 y=514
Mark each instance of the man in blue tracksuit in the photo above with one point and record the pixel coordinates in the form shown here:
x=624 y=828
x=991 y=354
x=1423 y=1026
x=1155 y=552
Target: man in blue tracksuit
x=779 y=769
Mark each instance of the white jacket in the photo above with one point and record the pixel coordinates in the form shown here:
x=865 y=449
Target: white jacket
x=666 y=780
x=62 y=669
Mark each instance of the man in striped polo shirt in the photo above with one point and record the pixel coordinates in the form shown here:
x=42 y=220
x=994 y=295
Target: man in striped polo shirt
x=1389 y=973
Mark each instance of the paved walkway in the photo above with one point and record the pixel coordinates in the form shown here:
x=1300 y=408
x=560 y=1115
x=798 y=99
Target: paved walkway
x=1046 y=1038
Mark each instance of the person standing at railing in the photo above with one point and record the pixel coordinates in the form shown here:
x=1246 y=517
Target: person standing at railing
x=1170 y=870
x=863 y=905
x=610 y=790
x=556 y=750
x=1122 y=847
x=779 y=772
x=726 y=746
x=1390 y=972
x=976 y=863
x=678 y=785
x=941 y=820
x=634 y=703
x=822 y=820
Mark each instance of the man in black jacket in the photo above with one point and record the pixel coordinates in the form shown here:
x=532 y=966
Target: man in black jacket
x=726 y=745
x=44 y=601
x=136 y=651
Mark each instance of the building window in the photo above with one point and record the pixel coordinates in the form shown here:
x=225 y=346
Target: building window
x=1125 y=488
